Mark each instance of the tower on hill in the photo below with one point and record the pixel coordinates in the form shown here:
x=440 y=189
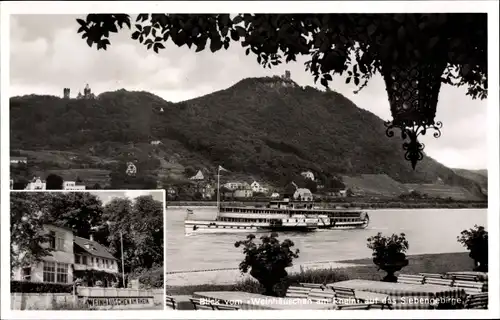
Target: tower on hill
x=66 y=93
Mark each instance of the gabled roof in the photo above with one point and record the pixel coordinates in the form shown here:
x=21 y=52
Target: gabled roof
x=93 y=248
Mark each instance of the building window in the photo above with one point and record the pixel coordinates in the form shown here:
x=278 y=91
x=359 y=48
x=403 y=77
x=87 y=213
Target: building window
x=49 y=272
x=52 y=239
x=26 y=273
x=62 y=272
x=59 y=242
x=91 y=261
x=55 y=272
x=84 y=260
x=77 y=259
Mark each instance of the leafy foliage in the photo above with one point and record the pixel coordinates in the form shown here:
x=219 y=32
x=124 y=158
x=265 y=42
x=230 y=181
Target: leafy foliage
x=39 y=287
x=54 y=182
x=267 y=262
x=388 y=249
x=476 y=241
x=141 y=224
x=356 y=46
x=27 y=237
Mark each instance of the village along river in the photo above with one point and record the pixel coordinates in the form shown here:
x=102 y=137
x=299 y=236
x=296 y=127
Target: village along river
x=427 y=231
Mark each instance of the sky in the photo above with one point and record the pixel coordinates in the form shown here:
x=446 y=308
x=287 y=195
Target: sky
x=48 y=55
x=107 y=196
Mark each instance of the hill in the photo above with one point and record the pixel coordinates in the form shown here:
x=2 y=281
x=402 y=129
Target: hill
x=269 y=128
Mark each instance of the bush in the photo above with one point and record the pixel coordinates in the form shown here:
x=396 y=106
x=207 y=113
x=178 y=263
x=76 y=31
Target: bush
x=476 y=241
x=267 y=262
x=150 y=278
x=40 y=287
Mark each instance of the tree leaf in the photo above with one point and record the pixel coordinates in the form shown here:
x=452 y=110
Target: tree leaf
x=81 y=22
x=215 y=44
x=135 y=35
x=241 y=31
x=347 y=80
x=238 y=19
x=356 y=81
x=234 y=35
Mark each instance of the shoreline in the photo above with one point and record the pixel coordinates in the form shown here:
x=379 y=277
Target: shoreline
x=362 y=268
x=392 y=205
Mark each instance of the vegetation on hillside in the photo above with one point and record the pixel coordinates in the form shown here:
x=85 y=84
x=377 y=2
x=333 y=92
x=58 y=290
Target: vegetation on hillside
x=253 y=127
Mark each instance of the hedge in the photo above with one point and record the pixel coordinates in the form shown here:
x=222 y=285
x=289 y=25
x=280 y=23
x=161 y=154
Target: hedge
x=40 y=287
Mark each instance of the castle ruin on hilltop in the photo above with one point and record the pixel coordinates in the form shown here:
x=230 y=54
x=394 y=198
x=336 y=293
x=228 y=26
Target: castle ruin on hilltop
x=87 y=93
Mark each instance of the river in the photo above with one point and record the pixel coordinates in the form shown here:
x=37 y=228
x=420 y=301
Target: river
x=427 y=231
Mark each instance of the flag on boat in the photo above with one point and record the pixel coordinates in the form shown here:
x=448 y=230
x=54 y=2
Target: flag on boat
x=222 y=169
x=189 y=211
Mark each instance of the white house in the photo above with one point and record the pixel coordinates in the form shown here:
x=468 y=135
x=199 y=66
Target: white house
x=256 y=187
x=233 y=185
x=155 y=142
x=69 y=253
x=71 y=185
x=303 y=194
x=197 y=176
x=90 y=255
x=275 y=195
x=56 y=267
x=243 y=193
x=308 y=175
x=36 y=184
x=17 y=160
x=131 y=169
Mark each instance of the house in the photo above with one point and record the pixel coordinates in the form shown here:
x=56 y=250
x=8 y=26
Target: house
x=71 y=255
x=303 y=194
x=36 y=184
x=18 y=160
x=71 y=185
x=198 y=176
x=171 y=191
x=131 y=169
x=233 y=185
x=208 y=191
x=90 y=255
x=243 y=193
x=56 y=267
x=275 y=195
x=308 y=175
x=257 y=188
x=155 y=142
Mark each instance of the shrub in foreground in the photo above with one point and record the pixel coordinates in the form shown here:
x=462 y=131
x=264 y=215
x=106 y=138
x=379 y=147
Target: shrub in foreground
x=476 y=241
x=267 y=261
x=40 y=287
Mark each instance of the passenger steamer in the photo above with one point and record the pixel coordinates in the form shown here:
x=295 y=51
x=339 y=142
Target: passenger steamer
x=281 y=215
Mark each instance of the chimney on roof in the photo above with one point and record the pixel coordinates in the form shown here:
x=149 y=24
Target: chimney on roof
x=91 y=237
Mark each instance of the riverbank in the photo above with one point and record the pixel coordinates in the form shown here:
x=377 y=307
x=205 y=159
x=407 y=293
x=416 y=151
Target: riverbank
x=344 y=270
x=350 y=204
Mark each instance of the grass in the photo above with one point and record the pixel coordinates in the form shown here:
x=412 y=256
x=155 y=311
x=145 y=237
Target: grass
x=430 y=263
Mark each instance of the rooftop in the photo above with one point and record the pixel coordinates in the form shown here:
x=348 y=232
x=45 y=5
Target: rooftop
x=93 y=248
